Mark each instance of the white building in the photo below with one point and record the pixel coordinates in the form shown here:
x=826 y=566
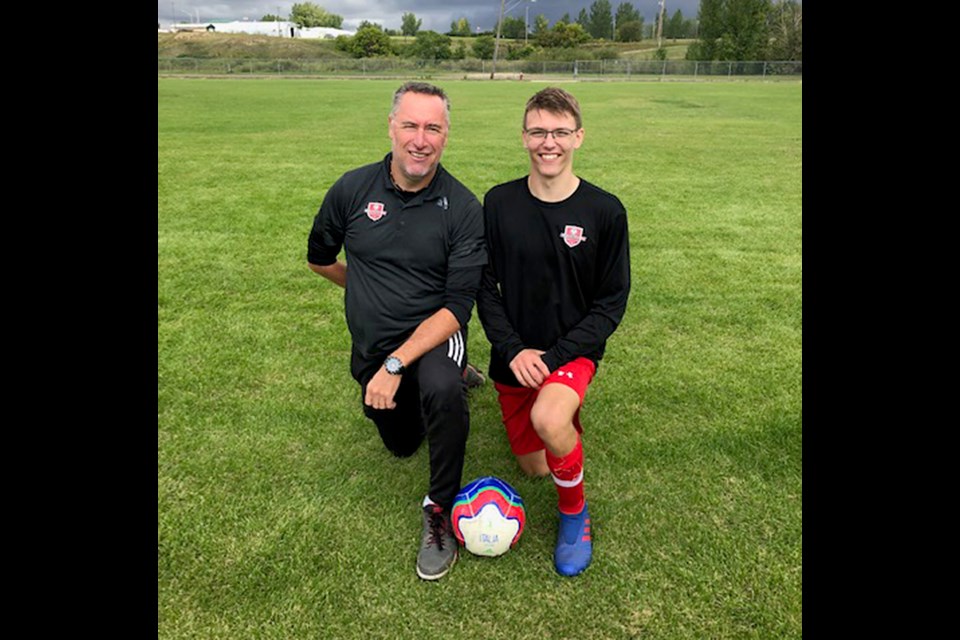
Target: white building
x=279 y=29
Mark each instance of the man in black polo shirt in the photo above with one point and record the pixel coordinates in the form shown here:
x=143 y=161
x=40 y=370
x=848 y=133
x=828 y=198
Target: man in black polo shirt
x=414 y=245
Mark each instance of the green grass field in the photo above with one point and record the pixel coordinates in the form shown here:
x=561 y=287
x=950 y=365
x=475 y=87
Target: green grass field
x=281 y=516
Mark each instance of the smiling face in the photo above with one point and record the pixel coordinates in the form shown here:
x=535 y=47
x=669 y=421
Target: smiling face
x=418 y=130
x=551 y=156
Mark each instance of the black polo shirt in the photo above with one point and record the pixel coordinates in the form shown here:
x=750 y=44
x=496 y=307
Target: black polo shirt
x=406 y=259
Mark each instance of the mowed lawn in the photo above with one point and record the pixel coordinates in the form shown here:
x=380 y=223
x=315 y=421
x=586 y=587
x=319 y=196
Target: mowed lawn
x=279 y=513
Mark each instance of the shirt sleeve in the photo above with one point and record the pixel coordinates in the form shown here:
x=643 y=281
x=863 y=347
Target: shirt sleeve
x=468 y=254
x=468 y=248
x=493 y=317
x=609 y=304
x=461 y=291
x=326 y=236
x=496 y=324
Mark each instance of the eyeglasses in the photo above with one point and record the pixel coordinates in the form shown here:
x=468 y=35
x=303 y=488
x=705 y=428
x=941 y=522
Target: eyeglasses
x=541 y=134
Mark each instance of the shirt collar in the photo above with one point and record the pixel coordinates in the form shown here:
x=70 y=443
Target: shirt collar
x=432 y=191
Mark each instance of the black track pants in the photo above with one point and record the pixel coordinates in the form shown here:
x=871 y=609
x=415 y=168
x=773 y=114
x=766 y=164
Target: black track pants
x=431 y=402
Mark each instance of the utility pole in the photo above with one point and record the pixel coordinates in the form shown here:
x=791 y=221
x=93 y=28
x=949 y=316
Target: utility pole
x=526 y=26
x=660 y=25
x=496 y=42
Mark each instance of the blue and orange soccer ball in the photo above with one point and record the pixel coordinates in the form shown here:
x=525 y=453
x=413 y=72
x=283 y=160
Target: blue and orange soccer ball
x=488 y=516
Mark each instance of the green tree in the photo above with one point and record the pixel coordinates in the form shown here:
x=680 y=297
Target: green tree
x=629 y=23
x=308 y=14
x=271 y=18
x=747 y=33
x=540 y=24
x=483 y=47
x=732 y=30
x=565 y=18
x=583 y=19
x=627 y=13
x=513 y=28
x=601 y=20
x=370 y=41
x=630 y=31
x=460 y=27
x=711 y=27
x=786 y=30
x=673 y=28
x=431 y=45
x=563 y=35
x=409 y=25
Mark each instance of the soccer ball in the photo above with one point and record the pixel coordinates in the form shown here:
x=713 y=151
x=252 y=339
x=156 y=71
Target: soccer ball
x=488 y=516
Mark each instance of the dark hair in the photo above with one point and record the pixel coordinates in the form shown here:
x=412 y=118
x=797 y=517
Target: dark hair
x=424 y=88
x=556 y=101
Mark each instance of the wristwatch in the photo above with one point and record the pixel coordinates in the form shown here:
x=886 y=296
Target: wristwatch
x=393 y=365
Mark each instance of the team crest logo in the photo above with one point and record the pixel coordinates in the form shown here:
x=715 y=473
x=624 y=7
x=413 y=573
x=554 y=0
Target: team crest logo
x=573 y=236
x=375 y=210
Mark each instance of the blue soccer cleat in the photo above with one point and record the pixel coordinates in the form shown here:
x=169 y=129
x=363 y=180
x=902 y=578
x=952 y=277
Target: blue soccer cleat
x=574 y=546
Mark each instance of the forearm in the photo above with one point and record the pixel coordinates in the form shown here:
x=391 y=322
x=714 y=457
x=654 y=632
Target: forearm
x=429 y=334
x=335 y=273
x=585 y=338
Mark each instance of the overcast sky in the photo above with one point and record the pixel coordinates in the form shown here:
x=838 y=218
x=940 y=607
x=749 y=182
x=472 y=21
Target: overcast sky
x=435 y=14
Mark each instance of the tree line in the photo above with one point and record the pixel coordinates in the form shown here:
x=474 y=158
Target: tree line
x=722 y=30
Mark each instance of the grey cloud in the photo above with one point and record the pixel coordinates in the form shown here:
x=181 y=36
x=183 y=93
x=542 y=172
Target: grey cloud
x=435 y=14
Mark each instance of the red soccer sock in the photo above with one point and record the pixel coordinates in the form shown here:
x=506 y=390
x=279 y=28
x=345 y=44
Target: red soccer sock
x=567 y=474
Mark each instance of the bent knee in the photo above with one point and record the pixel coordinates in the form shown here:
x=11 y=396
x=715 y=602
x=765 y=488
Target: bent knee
x=549 y=422
x=403 y=453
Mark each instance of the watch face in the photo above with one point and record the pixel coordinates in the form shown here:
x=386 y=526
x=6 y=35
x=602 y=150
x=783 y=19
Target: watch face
x=393 y=365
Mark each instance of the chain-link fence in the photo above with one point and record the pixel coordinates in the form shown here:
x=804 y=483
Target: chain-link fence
x=399 y=67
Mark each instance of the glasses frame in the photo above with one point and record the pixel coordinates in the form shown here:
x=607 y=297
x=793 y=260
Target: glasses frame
x=549 y=132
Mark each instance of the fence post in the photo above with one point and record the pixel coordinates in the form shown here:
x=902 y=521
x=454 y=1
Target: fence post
x=729 y=69
x=764 y=69
x=696 y=67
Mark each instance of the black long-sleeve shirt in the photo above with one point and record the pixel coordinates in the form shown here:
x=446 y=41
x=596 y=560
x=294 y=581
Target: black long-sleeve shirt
x=558 y=275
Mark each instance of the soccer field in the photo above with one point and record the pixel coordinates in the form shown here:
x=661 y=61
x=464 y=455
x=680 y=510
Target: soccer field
x=280 y=515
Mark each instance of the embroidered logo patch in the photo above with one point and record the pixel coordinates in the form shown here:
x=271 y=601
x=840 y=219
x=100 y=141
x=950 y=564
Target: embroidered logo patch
x=572 y=236
x=375 y=210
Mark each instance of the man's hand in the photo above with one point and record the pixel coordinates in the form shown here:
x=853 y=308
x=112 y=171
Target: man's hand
x=529 y=368
x=381 y=389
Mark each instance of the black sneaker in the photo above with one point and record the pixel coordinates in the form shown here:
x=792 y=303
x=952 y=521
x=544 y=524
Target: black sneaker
x=438 y=547
x=473 y=377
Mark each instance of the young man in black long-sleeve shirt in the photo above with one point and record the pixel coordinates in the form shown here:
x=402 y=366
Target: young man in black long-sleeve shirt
x=553 y=292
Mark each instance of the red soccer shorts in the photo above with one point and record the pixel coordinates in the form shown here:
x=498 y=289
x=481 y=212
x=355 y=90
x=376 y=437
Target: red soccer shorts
x=516 y=403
